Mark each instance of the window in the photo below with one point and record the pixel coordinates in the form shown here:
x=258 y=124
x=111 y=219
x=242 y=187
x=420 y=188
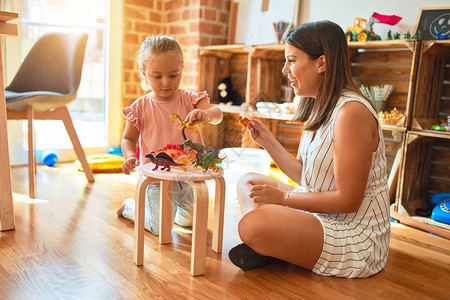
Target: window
x=38 y=17
x=97 y=111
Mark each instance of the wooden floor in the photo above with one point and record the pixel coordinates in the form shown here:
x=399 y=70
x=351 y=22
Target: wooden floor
x=69 y=243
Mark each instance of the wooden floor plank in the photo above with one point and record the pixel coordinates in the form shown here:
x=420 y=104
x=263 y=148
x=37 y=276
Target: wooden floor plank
x=69 y=243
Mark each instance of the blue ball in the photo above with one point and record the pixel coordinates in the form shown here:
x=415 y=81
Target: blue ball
x=49 y=158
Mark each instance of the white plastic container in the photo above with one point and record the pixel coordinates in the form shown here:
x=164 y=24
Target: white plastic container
x=239 y=161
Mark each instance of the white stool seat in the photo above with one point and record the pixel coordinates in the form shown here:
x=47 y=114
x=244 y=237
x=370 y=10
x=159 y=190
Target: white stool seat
x=195 y=177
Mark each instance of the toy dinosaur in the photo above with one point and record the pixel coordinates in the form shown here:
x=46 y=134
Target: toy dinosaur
x=162 y=160
x=185 y=124
x=174 y=151
x=188 y=158
x=197 y=147
x=209 y=161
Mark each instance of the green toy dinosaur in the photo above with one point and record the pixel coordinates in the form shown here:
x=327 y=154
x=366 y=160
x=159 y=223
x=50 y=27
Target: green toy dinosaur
x=197 y=147
x=209 y=161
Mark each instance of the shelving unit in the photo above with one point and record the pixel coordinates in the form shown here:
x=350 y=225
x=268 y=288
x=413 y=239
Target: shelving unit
x=388 y=62
x=420 y=74
x=426 y=167
x=252 y=71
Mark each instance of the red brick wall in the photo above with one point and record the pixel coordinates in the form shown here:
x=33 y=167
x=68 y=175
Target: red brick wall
x=193 y=23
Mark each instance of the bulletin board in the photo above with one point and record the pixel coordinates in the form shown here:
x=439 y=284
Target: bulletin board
x=431 y=20
x=255 y=18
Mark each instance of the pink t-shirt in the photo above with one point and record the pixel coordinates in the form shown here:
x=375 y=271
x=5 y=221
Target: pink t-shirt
x=152 y=119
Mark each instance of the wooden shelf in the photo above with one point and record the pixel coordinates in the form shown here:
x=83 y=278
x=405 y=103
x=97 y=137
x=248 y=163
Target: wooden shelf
x=391 y=44
x=420 y=73
x=431 y=133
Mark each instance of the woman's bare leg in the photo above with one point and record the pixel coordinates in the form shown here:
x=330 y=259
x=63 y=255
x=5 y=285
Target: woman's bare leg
x=284 y=233
x=245 y=184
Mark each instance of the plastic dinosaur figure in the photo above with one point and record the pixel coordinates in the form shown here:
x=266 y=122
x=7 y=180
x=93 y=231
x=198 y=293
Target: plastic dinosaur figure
x=209 y=161
x=184 y=124
x=197 y=147
x=188 y=158
x=162 y=160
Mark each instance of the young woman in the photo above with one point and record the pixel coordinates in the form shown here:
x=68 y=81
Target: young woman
x=336 y=223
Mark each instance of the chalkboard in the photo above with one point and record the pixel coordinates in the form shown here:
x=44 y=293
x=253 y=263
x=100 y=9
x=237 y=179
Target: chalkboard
x=432 y=20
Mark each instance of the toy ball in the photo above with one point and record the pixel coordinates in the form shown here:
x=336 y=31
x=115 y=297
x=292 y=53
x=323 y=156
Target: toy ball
x=49 y=158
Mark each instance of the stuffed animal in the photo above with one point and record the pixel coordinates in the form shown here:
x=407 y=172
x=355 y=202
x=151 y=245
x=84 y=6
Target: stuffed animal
x=226 y=93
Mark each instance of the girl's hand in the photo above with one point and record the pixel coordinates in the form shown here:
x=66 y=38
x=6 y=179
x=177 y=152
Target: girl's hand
x=260 y=133
x=131 y=163
x=266 y=194
x=197 y=115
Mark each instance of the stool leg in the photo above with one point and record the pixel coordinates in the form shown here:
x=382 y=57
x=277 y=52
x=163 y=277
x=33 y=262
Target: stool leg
x=199 y=228
x=219 y=209
x=141 y=187
x=165 y=212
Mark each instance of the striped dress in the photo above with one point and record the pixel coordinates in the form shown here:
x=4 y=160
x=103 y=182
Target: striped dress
x=355 y=244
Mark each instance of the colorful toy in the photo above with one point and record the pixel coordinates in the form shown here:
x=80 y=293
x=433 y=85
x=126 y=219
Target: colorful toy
x=407 y=35
x=162 y=160
x=444 y=126
x=209 y=160
x=227 y=95
x=186 y=159
x=441 y=211
x=174 y=151
x=184 y=124
x=361 y=31
x=115 y=150
x=201 y=149
x=244 y=122
x=49 y=158
x=173 y=155
x=102 y=163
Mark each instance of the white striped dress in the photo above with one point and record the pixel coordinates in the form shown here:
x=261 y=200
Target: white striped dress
x=355 y=244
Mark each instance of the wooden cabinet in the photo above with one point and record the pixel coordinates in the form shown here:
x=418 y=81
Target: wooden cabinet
x=389 y=62
x=426 y=167
x=255 y=72
x=419 y=72
x=256 y=75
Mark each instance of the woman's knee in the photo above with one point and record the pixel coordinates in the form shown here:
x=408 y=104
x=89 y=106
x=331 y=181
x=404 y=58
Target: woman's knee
x=252 y=227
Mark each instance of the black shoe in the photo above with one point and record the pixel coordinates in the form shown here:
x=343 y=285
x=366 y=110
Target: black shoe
x=245 y=258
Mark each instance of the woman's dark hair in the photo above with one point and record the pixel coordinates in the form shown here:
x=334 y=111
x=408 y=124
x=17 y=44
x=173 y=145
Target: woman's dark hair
x=328 y=39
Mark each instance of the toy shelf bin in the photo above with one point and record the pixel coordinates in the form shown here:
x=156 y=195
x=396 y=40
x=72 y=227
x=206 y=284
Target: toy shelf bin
x=426 y=166
x=432 y=96
x=425 y=171
x=255 y=72
x=387 y=62
x=239 y=161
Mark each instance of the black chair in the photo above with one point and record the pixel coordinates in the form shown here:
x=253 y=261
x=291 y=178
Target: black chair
x=46 y=82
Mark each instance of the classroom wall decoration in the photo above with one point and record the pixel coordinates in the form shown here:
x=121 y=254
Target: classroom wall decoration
x=434 y=23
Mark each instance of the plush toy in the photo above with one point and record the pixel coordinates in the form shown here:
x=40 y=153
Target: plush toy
x=226 y=93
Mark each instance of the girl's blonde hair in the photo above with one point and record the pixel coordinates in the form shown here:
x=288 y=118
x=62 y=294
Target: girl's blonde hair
x=152 y=46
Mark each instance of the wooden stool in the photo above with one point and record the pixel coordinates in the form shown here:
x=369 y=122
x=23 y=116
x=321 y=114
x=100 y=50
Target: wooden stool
x=196 y=179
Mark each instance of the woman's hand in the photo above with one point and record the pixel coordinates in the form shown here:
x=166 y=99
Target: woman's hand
x=266 y=194
x=131 y=163
x=260 y=133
